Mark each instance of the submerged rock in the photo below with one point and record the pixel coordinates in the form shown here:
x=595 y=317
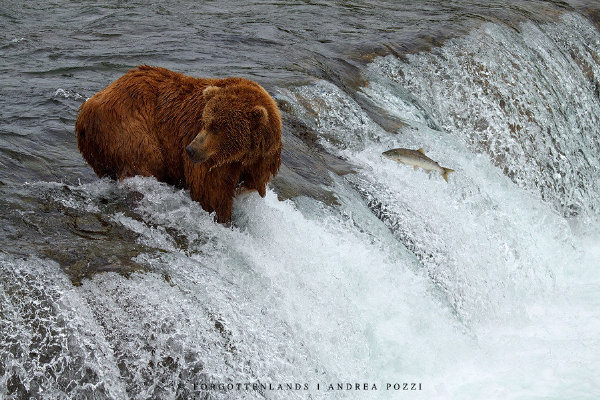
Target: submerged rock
x=82 y=243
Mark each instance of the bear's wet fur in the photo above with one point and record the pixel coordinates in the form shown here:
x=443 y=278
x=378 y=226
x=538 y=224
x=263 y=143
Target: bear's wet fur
x=212 y=136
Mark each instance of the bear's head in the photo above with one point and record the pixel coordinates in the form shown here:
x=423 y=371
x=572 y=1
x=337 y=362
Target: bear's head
x=240 y=123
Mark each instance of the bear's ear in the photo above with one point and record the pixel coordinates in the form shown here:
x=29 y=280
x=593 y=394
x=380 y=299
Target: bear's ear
x=210 y=91
x=259 y=115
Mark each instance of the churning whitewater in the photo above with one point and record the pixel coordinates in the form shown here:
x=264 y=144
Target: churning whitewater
x=397 y=285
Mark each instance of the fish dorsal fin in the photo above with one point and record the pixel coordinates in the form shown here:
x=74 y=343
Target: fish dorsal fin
x=421 y=151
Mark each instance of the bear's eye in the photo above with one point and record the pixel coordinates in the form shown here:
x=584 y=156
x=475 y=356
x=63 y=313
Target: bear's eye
x=213 y=128
x=210 y=126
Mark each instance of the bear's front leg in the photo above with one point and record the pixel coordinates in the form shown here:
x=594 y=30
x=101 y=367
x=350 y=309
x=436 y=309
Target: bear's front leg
x=256 y=175
x=214 y=189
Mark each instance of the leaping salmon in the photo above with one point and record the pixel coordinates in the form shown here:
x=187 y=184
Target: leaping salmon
x=417 y=158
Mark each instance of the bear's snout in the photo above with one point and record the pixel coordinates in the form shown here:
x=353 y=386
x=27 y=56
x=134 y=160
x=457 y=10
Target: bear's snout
x=195 y=155
x=190 y=151
x=196 y=150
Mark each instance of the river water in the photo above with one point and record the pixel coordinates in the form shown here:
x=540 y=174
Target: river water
x=354 y=269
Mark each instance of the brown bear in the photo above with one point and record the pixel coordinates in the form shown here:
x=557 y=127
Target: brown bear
x=212 y=136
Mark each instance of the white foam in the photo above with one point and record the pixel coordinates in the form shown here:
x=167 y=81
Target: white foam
x=50 y=335
x=67 y=94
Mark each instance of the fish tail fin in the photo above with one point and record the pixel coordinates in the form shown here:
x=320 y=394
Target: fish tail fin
x=446 y=172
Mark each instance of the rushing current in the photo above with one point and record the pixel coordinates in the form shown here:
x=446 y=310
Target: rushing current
x=356 y=276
